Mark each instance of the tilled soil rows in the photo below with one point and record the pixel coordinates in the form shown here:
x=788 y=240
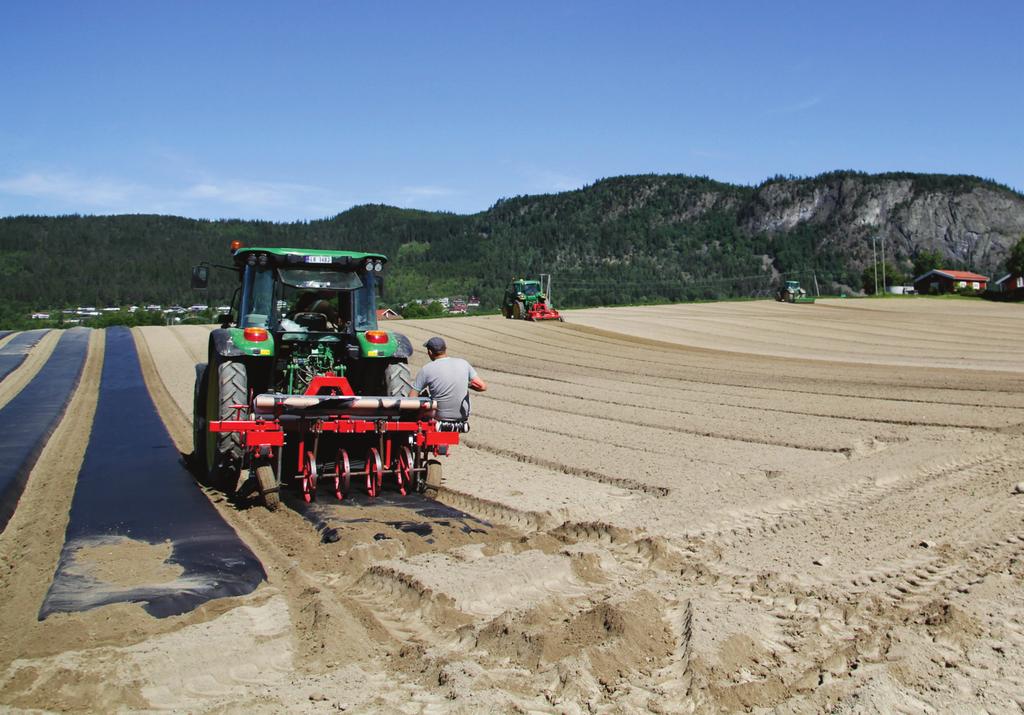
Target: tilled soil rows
x=672 y=509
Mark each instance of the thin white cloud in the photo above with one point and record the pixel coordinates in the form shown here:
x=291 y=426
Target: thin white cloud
x=539 y=179
x=427 y=191
x=254 y=194
x=202 y=196
x=800 y=106
x=62 y=192
x=67 y=188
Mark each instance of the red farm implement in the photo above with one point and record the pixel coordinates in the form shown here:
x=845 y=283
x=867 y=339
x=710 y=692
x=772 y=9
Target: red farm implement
x=340 y=438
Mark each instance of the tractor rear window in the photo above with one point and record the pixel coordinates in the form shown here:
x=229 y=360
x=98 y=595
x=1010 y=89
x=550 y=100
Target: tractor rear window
x=328 y=280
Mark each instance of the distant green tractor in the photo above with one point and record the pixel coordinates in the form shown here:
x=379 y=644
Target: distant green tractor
x=527 y=300
x=793 y=293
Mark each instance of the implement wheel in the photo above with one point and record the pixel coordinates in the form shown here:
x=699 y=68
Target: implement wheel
x=342 y=475
x=404 y=464
x=434 y=477
x=268 y=486
x=227 y=387
x=374 y=472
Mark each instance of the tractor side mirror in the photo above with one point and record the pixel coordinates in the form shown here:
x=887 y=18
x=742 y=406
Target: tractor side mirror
x=224 y=319
x=200 y=277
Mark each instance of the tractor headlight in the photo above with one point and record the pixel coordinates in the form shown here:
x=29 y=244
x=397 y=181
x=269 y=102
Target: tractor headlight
x=520 y=295
x=250 y=259
x=263 y=259
x=378 y=266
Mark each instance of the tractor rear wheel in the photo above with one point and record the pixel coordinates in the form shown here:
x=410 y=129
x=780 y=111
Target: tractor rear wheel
x=398 y=379
x=268 y=486
x=224 y=449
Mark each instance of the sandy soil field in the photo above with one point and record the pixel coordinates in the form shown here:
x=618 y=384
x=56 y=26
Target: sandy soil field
x=735 y=507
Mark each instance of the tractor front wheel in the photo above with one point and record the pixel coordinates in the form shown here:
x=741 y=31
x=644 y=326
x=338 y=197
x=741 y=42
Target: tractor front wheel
x=518 y=310
x=199 y=418
x=228 y=387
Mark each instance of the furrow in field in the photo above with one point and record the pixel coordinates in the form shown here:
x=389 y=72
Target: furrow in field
x=486 y=351
x=735 y=410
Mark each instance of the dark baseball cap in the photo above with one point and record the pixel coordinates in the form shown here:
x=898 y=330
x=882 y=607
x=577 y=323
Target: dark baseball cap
x=435 y=345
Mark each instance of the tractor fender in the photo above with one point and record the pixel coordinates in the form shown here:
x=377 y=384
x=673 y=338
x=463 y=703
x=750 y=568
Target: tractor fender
x=221 y=344
x=404 y=349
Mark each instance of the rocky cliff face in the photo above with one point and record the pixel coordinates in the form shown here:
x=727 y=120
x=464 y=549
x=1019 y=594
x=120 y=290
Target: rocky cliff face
x=971 y=222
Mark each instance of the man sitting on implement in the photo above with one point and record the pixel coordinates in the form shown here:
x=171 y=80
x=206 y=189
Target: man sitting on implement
x=448 y=381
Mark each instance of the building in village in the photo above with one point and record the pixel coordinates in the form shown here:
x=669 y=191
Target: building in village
x=941 y=280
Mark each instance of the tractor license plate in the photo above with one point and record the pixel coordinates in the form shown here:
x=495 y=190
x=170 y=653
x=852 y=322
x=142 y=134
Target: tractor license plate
x=318 y=259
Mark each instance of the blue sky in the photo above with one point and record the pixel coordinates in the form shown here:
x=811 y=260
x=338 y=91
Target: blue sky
x=299 y=110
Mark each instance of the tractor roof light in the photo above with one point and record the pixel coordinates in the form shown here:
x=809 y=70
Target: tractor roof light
x=264 y=259
x=377 y=337
x=378 y=266
x=255 y=335
x=250 y=259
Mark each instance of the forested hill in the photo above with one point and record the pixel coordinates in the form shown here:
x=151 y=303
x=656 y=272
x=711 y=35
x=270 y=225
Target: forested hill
x=625 y=239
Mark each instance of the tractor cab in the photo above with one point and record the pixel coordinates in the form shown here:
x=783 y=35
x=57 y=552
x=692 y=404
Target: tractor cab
x=329 y=297
x=527 y=289
x=310 y=311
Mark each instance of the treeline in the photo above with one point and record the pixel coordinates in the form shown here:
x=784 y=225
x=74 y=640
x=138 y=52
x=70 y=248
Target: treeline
x=629 y=239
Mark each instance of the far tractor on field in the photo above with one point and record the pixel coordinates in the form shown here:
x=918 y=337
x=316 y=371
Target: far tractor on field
x=527 y=300
x=791 y=292
x=301 y=385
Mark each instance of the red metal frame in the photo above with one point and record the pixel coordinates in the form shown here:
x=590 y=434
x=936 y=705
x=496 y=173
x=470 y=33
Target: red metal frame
x=264 y=433
x=541 y=311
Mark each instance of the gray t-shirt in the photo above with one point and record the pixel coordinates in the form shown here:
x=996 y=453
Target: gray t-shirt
x=447 y=379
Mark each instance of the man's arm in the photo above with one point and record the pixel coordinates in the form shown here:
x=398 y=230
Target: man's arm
x=477 y=384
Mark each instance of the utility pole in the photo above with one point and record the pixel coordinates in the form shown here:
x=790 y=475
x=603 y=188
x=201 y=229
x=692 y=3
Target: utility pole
x=874 y=262
x=545 y=286
x=883 y=265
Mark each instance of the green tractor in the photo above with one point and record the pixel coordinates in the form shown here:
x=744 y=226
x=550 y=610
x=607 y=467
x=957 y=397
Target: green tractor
x=527 y=300
x=791 y=292
x=303 y=323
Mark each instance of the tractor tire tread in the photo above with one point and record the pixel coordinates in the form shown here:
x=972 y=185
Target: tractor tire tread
x=233 y=389
x=399 y=379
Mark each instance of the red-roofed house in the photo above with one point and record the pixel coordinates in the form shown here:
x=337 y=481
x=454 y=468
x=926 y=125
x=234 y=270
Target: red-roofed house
x=387 y=314
x=943 y=281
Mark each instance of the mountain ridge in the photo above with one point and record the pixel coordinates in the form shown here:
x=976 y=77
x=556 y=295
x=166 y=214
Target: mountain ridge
x=621 y=239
